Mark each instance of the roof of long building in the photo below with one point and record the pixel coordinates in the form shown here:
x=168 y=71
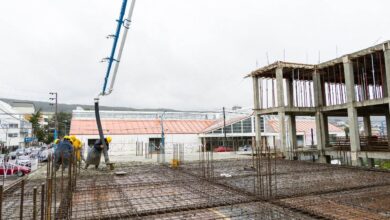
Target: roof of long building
x=302 y=126
x=127 y=127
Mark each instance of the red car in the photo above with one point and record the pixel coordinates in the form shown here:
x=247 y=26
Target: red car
x=11 y=169
x=223 y=149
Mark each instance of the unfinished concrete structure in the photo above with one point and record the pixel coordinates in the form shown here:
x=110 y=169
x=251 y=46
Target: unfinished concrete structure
x=354 y=85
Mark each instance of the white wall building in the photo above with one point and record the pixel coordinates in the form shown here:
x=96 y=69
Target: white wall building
x=13 y=127
x=130 y=127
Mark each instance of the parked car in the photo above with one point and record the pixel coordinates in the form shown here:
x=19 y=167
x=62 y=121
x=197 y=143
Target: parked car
x=27 y=151
x=34 y=153
x=24 y=161
x=245 y=148
x=44 y=154
x=223 y=149
x=20 y=152
x=12 y=155
x=13 y=169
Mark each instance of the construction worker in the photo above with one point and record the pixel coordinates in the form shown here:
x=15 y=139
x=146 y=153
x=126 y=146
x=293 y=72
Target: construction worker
x=76 y=146
x=63 y=153
x=95 y=153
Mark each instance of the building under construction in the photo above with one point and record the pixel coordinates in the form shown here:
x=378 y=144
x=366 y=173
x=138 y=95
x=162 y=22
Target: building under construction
x=353 y=86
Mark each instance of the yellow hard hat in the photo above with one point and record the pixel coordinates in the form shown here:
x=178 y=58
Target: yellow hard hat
x=109 y=139
x=73 y=138
x=66 y=137
x=56 y=141
x=77 y=143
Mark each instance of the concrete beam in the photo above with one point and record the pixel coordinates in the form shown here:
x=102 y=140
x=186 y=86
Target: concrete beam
x=363 y=154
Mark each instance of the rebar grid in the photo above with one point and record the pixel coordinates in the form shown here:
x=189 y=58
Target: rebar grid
x=157 y=191
x=294 y=178
x=162 y=191
x=366 y=203
x=253 y=210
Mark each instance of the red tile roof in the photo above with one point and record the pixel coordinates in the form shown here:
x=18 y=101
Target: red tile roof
x=303 y=126
x=125 y=127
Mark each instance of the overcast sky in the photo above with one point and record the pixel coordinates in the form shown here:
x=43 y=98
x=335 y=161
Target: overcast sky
x=182 y=54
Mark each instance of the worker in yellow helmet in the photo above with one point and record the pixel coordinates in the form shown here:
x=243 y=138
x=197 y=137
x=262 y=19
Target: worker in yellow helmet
x=63 y=153
x=77 y=149
x=73 y=138
x=95 y=153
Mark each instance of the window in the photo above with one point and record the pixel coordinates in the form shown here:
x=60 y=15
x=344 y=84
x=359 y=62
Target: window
x=218 y=131
x=247 y=125
x=12 y=135
x=237 y=127
x=261 y=124
x=228 y=129
x=13 y=125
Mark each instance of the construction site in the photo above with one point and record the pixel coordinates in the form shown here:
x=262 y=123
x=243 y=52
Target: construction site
x=148 y=175
x=262 y=187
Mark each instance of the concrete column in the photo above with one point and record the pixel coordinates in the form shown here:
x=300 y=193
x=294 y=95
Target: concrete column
x=322 y=131
x=354 y=135
x=292 y=131
x=349 y=80
x=321 y=125
x=322 y=135
x=317 y=87
x=282 y=133
x=388 y=126
x=367 y=125
x=279 y=86
x=386 y=53
x=352 y=112
x=256 y=100
x=256 y=93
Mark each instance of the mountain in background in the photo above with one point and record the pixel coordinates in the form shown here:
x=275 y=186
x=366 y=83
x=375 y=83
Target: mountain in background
x=46 y=107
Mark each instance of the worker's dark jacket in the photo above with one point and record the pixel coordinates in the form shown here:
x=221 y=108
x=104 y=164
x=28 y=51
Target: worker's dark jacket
x=64 y=149
x=98 y=143
x=62 y=154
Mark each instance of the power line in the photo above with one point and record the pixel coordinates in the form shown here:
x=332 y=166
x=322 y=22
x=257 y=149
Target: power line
x=10 y=114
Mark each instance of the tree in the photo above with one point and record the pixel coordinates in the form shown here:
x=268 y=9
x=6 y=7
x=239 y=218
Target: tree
x=34 y=120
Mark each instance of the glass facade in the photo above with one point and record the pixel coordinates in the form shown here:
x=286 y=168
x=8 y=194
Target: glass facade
x=242 y=127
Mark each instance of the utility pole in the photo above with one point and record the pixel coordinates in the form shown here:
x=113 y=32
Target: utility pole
x=224 y=126
x=162 y=147
x=55 y=98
